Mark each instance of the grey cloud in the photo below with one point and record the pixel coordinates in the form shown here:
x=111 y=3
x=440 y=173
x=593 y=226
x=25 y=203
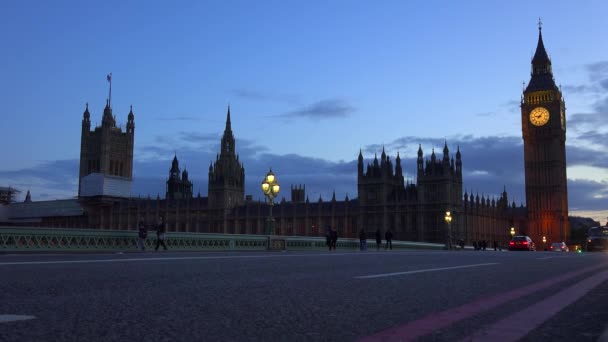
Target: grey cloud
x=512 y=106
x=199 y=137
x=604 y=84
x=577 y=89
x=601 y=106
x=324 y=109
x=250 y=94
x=597 y=70
x=595 y=137
x=588 y=195
x=581 y=120
x=488 y=164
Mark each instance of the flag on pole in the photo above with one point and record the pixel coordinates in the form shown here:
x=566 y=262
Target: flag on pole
x=109 y=77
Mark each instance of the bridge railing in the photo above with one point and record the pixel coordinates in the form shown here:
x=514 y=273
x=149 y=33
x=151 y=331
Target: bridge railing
x=14 y=239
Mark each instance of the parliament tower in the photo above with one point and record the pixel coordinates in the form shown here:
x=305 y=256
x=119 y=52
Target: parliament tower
x=543 y=118
x=227 y=175
x=107 y=149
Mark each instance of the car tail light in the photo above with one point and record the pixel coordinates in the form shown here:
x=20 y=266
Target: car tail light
x=511 y=243
x=525 y=242
x=551 y=247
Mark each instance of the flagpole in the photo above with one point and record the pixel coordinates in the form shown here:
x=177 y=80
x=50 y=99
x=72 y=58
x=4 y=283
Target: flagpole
x=110 y=97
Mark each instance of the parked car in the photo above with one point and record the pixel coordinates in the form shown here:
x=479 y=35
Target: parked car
x=597 y=239
x=521 y=243
x=559 y=247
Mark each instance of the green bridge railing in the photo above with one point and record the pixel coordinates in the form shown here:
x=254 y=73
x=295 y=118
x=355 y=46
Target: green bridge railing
x=15 y=239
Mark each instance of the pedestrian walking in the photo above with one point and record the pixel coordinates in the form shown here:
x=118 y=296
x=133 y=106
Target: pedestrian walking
x=334 y=238
x=362 y=240
x=161 y=233
x=142 y=233
x=389 y=239
x=495 y=245
x=328 y=237
x=378 y=239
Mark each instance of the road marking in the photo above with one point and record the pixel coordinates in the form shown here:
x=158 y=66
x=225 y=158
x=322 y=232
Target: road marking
x=193 y=258
x=545 y=258
x=604 y=336
x=381 y=275
x=14 y=318
x=421 y=327
x=518 y=325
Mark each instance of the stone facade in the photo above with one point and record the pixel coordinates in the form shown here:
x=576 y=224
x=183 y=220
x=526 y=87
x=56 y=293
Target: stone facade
x=412 y=209
x=107 y=149
x=543 y=119
x=178 y=185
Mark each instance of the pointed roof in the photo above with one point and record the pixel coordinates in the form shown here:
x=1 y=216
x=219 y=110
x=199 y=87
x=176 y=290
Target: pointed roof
x=542 y=75
x=86 y=113
x=228 y=124
x=420 y=150
x=540 y=56
x=175 y=164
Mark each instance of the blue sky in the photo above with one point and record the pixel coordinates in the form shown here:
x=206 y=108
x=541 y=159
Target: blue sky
x=309 y=84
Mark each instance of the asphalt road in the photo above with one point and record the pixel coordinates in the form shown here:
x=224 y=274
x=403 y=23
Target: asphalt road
x=274 y=296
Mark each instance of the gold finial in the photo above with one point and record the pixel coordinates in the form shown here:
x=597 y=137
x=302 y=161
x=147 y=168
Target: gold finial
x=540 y=24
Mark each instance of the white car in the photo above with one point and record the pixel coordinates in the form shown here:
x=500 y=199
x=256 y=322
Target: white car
x=559 y=247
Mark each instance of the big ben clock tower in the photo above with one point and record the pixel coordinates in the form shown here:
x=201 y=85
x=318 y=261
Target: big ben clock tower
x=543 y=122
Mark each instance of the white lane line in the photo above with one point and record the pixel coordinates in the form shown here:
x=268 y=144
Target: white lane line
x=519 y=324
x=545 y=258
x=193 y=258
x=13 y=318
x=423 y=271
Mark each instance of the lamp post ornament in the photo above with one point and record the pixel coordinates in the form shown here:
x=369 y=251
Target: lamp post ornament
x=270 y=188
x=448 y=220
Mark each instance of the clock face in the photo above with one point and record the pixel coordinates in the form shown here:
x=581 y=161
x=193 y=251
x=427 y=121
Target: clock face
x=539 y=116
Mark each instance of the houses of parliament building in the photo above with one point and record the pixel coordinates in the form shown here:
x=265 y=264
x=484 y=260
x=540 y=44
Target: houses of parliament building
x=412 y=210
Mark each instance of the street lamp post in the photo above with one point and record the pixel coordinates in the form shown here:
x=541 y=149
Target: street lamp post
x=270 y=187
x=544 y=243
x=448 y=220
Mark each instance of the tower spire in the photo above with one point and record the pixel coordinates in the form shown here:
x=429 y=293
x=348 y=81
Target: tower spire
x=228 y=124
x=542 y=74
x=109 y=78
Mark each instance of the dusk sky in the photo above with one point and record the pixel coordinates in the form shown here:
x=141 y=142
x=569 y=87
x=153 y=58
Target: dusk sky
x=309 y=83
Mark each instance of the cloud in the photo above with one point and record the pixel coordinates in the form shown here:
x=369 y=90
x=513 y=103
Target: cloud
x=249 y=94
x=197 y=137
x=324 y=109
x=597 y=70
x=579 y=121
x=577 y=89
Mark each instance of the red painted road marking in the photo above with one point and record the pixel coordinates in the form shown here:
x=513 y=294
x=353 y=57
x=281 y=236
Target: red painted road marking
x=433 y=322
x=518 y=325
